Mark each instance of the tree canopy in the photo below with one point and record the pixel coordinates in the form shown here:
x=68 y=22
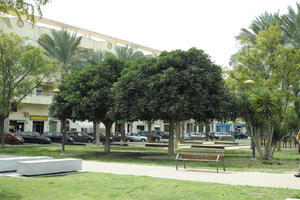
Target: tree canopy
x=88 y=92
x=175 y=86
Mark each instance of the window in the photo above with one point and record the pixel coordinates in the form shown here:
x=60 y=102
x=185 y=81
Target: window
x=140 y=127
x=38 y=91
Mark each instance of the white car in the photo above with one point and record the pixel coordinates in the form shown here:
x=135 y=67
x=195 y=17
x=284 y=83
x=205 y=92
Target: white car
x=136 y=137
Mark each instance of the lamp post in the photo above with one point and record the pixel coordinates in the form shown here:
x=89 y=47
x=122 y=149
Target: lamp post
x=251 y=83
x=57 y=91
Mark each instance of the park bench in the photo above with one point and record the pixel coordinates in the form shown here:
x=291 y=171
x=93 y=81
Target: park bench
x=53 y=166
x=10 y=164
x=201 y=155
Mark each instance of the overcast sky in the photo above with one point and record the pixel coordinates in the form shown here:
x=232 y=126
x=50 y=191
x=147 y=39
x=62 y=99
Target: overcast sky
x=210 y=25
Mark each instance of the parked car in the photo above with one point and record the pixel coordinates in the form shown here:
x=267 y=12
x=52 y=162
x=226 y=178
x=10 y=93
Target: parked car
x=163 y=135
x=223 y=136
x=102 y=137
x=13 y=139
x=239 y=135
x=194 y=136
x=80 y=137
x=117 y=136
x=136 y=137
x=34 y=137
x=156 y=137
x=56 y=137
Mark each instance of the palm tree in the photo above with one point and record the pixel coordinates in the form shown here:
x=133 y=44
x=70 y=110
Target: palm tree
x=61 y=45
x=127 y=53
x=268 y=110
x=291 y=25
x=262 y=22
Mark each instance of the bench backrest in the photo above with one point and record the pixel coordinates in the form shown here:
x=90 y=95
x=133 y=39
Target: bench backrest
x=202 y=154
x=202 y=157
x=210 y=151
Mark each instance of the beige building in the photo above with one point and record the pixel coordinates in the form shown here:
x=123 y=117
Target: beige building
x=32 y=115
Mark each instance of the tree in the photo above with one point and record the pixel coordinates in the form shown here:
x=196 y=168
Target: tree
x=132 y=94
x=88 y=91
x=63 y=46
x=23 y=67
x=61 y=109
x=291 y=25
x=128 y=54
x=176 y=86
x=26 y=8
x=275 y=69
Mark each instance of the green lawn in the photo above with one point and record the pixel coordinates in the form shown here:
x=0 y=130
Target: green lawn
x=286 y=160
x=97 y=186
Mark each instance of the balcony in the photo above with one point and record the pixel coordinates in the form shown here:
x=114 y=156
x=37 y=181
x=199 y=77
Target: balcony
x=38 y=99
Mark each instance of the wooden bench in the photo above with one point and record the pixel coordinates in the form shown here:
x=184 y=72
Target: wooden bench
x=201 y=155
x=40 y=167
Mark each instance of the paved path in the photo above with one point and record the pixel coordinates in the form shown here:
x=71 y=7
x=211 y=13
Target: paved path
x=228 y=177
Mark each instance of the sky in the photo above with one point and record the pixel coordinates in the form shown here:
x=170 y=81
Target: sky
x=211 y=25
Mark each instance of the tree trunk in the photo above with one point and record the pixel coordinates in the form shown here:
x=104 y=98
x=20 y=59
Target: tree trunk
x=63 y=131
x=181 y=133
x=171 y=149
x=206 y=130
x=96 y=133
x=149 y=134
x=177 y=133
x=122 y=127
x=268 y=147
x=2 y=137
x=107 y=125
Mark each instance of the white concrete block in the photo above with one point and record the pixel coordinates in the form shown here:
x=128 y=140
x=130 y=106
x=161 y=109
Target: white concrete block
x=39 y=167
x=10 y=164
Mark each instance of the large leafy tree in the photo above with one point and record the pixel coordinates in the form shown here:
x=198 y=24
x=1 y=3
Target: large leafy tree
x=175 y=86
x=23 y=67
x=132 y=94
x=89 y=93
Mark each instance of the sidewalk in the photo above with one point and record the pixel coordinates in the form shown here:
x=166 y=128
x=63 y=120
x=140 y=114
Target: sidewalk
x=228 y=177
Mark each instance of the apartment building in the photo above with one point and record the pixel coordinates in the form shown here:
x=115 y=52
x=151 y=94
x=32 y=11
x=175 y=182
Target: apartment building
x=33 y=113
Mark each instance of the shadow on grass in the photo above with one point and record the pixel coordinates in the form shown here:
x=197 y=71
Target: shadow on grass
x=9 y=196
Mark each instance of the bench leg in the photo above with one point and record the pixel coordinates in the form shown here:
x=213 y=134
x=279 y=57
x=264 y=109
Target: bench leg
x=224 y=166
x=217 y=164
x=176 y=165
x=184 y=164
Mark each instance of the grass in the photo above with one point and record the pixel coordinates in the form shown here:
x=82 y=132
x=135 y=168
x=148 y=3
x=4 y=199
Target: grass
x=97 y=186
x=236 y=160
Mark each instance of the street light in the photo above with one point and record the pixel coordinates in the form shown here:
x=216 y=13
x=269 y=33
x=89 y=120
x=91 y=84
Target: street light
x=251 y=83
x=57 y=91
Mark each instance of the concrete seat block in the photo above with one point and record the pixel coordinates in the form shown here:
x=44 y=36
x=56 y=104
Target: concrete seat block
x=39 y=167
x=10 y=164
